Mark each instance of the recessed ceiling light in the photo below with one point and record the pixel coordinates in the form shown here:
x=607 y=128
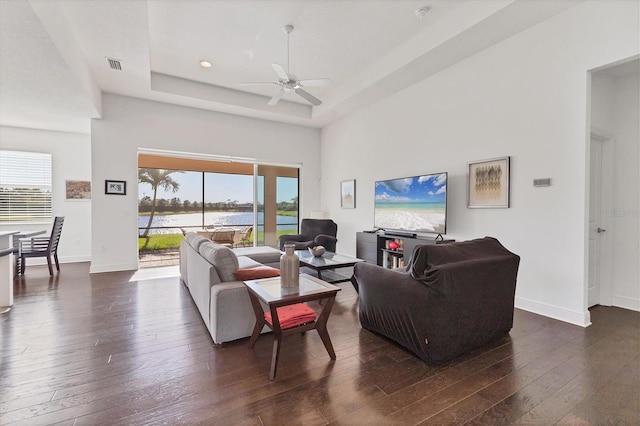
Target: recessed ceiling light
x=205 y=64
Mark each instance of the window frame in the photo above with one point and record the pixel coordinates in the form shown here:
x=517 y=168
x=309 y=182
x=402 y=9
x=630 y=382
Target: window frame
x=23 y=173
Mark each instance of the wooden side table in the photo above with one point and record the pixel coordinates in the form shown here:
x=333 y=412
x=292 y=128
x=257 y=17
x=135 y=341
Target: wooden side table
x=269 y=291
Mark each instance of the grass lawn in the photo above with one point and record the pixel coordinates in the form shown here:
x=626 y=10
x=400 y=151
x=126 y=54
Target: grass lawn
x=156 y=242
x=159 y=242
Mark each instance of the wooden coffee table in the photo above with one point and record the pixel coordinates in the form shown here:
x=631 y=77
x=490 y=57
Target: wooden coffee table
x=327 y=262
x=270 y=291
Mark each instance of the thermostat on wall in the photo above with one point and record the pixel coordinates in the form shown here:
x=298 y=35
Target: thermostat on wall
x=542 y=182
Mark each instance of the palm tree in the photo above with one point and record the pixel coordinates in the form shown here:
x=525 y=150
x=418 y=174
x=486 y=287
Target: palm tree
x=157 y=178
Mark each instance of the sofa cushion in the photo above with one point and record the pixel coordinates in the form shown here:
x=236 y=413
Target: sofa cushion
x=243 y=274
x=195 y=240
x=245 y=262
x=262 y=254
x=222 y=258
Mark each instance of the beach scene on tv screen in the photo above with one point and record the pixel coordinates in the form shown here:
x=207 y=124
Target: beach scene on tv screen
x=413 y=204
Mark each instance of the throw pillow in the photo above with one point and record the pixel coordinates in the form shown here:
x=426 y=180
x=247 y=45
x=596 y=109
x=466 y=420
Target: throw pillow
x=256 y=273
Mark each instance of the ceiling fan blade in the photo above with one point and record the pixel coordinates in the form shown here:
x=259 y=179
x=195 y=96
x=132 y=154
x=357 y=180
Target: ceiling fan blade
x=315 y=82
x=274 y=100
x=282 y=73
x=257 y=83
x=308 y=96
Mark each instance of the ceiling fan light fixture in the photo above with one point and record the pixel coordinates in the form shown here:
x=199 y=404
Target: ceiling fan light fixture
x=205 y=64
x=289 y=83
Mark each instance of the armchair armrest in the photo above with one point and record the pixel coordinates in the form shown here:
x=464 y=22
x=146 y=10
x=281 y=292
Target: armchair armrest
x=327 y=241
x=289 y=237
x=394 y=305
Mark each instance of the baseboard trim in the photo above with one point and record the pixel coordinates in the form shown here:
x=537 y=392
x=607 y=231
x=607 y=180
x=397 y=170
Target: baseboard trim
x=115 y=267
x=626 y=303
x=75 y=259
x=555 y=312
x=66 y=259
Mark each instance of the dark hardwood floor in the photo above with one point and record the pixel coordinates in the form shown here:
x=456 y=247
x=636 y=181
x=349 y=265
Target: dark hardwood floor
x=130 y=348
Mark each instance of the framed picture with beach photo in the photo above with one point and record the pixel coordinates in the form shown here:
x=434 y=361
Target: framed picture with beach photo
x=348 y=194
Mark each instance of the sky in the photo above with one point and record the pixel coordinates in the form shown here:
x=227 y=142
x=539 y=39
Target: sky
x=427 y=188
x=225 y=187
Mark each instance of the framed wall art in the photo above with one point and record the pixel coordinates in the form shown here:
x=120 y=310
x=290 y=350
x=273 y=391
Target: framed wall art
x=488 y=183
x=78 y=190
x=348 y=194
x=115 y=187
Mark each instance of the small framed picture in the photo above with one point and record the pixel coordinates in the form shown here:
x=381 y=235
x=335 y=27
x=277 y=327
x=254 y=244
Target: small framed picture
x=78 y=190
x=489 y=183
x=115 y=187
x=348 y=194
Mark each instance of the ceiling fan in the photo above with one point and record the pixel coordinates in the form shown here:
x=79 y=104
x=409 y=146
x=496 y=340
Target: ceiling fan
x=288 y=83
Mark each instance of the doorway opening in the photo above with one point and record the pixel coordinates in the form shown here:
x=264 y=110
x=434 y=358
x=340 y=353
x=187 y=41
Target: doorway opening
x=600 y=227
x=612 y=242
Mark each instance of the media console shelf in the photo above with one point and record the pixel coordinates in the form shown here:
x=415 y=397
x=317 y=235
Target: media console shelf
x=390 y=251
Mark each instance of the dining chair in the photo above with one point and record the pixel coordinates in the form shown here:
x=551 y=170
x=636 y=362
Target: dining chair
x=42 y=246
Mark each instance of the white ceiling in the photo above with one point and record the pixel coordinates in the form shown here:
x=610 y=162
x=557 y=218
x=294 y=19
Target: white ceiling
x=53 y=67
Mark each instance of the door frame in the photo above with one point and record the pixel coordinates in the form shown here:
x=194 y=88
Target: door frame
x=606 y=196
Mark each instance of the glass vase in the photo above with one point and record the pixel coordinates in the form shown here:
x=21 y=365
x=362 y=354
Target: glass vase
x=289 y=267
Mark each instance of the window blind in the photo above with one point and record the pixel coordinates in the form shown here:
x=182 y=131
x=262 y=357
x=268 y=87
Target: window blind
x=25 y=186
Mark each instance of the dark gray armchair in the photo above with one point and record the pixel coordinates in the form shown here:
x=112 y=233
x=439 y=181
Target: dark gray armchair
x=314 y=232
x=452 y=298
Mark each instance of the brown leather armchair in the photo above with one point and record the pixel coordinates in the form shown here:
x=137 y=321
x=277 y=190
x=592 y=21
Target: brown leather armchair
x=313 y=232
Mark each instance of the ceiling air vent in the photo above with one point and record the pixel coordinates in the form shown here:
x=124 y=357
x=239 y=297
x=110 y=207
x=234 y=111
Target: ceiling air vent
x=114 y=64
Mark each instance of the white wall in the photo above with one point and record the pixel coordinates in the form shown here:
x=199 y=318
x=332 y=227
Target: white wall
x=129 y=124
x=70 y=157
x=525 y=97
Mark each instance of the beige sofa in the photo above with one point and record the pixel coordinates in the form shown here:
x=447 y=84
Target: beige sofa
x=223 y=302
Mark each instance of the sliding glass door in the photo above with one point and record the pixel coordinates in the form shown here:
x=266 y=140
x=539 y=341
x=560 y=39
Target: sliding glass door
x=228 y=200
x=278 y=191
x=178 y=195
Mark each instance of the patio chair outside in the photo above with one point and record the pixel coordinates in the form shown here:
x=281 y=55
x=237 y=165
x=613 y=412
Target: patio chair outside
x=245 y=236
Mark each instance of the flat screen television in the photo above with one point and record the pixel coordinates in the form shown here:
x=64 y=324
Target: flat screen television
x=415 y=204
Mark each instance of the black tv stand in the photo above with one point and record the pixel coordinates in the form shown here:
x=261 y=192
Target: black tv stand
x=392 y=249
x=400 y=234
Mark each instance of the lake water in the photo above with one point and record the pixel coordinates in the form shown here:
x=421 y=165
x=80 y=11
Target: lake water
x=187 y=220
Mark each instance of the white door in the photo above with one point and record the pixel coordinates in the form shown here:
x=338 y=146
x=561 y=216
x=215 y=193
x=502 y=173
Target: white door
x=595 y=216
